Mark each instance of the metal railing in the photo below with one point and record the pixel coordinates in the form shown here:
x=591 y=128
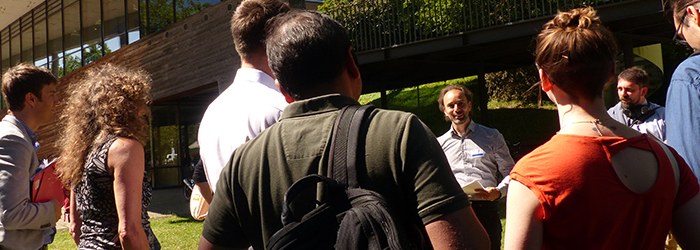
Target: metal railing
x=376 y=24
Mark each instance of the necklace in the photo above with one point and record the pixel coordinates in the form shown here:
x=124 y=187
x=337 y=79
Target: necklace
x=595 y=123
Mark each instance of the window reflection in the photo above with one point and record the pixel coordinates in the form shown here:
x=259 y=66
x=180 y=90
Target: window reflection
x=55 y=40
x=132 y=19
x=114 y=25
x=71 y=37
x=160 y=14
x=156 y=15
x=186 y=8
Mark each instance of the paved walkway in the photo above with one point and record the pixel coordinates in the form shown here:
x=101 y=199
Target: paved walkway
x=165 y=202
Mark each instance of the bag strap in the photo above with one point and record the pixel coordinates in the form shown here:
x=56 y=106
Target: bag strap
x=342 y=160
x=672 y=159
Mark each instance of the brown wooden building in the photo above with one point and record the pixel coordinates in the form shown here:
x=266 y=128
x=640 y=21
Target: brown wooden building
x=190 y=58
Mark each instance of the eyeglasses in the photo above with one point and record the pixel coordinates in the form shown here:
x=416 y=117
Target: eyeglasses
x=678 y=36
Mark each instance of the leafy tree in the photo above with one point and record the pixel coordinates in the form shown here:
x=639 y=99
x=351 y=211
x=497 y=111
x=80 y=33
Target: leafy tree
x=374 y=24
x=440 y=16
x=374 y=20
x=382 y=23
x=186 y=8
x=156 y=15
x=90 y=53
x=513 y=84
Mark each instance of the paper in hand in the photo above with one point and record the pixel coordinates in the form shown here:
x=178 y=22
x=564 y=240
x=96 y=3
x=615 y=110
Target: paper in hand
x=471 y=187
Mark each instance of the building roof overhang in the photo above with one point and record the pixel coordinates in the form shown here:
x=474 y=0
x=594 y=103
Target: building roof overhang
x=11 y=10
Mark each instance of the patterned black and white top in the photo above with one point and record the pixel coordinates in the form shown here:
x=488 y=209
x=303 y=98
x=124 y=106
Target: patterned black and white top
x=95 y=201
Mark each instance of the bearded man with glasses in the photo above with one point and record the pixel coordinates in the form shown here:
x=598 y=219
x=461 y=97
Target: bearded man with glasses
x=683 y=97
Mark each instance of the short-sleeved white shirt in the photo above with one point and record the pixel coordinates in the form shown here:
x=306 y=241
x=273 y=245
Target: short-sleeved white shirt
x=248 y=106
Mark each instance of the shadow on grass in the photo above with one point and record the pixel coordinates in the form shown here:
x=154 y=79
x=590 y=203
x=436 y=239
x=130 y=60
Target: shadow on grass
x=181 y=219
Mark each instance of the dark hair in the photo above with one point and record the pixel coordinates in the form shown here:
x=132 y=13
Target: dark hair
x=305 y=50
x=678 y=7
x=22 y=79
x=248 y=24
x=635 y=75
x=577 y=53
x=466 y=92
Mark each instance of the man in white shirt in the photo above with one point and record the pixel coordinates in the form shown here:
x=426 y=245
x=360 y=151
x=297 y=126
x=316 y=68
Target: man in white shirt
x=476 y=153
x=252 y=102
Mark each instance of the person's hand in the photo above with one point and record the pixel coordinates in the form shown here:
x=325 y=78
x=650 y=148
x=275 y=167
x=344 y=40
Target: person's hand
x=74 y=229
x=488 y=193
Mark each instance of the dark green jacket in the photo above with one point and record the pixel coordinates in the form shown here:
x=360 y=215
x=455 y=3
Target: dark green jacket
x=404 y=163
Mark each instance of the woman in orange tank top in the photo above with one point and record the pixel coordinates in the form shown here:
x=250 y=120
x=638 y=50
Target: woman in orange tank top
x=597 y=184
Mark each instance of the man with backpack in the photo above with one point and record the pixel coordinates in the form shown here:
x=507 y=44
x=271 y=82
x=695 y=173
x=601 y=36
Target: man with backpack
x=399 y=159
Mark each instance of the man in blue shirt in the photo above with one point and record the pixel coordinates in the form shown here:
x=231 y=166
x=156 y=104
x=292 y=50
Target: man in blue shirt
x=476 y=153
x=633 y=109
x=683 y=96
x=682 y=114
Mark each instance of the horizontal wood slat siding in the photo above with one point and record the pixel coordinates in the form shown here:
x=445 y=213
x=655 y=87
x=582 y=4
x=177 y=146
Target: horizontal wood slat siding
x=189 y=54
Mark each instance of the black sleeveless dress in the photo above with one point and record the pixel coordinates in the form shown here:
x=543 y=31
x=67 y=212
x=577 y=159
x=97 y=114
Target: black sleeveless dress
x=94 y=196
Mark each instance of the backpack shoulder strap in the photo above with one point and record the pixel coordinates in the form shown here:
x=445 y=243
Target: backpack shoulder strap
x=342 y=159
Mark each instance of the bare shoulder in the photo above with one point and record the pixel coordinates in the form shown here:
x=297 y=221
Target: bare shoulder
x=125 y=145
x=124 y=152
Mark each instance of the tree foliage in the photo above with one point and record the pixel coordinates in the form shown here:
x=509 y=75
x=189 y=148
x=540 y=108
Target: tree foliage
x=90 y=54
x=369 y=22
x=156 y=15
x=374 y=24
x=383 y=23
x=513 y=84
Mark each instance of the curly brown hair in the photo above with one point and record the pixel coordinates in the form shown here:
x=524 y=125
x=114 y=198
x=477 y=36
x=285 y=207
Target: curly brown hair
x=104 y=101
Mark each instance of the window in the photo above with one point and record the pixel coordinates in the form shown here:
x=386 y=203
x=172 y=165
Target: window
x=132 y=16
x=92 y=25
x=165 y=149
x=114 y=25
x=191 y=7
x=40 y=58
x=55 y=38
x=27 y=34
x=4 y=50
x=161 y=13
x=71 y=37
x=14 y=44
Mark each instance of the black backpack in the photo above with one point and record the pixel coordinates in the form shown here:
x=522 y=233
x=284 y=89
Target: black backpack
x=343 y=216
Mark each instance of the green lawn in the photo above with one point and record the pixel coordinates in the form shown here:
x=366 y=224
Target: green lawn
x=519 y=123
x=523 y=125
x=173 y=233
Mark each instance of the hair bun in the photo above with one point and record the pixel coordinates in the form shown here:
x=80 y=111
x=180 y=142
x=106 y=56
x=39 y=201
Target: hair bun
x=582 y=18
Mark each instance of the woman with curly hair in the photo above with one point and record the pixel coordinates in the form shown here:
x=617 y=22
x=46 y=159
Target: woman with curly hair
x=105 y=125
x=596 y=184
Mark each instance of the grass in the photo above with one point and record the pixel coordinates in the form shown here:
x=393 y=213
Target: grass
x=497 y=104
x=523 y=125
x=173 y=233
